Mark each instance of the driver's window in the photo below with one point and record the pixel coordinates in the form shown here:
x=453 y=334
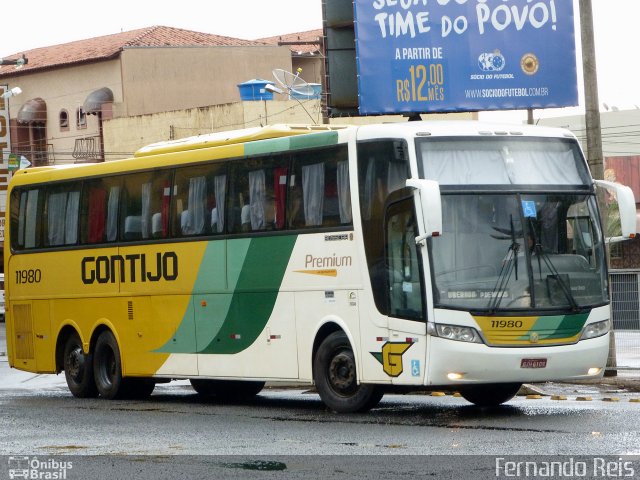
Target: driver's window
x=580 y=231
x=404 y=268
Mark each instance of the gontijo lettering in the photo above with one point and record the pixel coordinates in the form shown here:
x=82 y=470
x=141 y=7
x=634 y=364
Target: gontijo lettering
x=131 y=268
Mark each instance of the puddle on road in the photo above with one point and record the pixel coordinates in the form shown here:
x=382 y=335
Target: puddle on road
x=261 y=465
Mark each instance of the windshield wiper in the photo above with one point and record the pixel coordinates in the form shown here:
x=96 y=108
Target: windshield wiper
x=544 y=256
x=509 y=265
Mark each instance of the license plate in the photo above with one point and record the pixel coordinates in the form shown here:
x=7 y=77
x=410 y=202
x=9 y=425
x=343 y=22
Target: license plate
x=533 y=363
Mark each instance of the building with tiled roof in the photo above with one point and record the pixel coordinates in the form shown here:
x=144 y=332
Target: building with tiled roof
x=111 y=46
x=306 y=52
x=70 y=90
x=307 y=43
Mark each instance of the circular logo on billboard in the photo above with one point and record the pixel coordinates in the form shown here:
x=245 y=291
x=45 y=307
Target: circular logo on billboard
x=529 y=64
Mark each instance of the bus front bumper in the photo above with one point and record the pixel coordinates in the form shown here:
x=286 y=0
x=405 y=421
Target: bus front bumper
x=460 y=363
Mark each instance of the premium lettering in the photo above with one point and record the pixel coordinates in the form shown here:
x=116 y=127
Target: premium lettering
x=130 y=268
x=311 y=261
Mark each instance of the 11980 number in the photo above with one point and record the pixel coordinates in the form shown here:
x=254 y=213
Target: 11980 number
x=506 y=324
x=28 y=276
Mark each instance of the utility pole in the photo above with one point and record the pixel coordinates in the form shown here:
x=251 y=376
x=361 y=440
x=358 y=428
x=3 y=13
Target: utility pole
x=592 y=109
x=593 y=127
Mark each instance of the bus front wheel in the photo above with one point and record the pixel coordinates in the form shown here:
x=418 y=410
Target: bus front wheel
x=335 y=377
x=78 y=369
x=490 y=395
x=107 y=367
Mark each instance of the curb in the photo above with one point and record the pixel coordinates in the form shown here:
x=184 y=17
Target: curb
x=629 y=383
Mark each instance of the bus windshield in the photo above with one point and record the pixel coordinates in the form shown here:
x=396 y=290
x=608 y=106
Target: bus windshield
x=519 y=251
x=507 y=242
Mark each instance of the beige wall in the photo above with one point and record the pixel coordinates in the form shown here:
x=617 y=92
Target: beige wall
x=123 y=136
x=168 y=79
x=66 y=88
x=312 y=68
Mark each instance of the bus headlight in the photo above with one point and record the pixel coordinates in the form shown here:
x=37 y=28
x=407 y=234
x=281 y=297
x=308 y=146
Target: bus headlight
x=597 y=329
x=457 y=333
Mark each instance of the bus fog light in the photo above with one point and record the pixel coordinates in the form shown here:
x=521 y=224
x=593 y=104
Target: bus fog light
x=597 y=329
x=455 y=376
x=460 y=334
x=594 y=371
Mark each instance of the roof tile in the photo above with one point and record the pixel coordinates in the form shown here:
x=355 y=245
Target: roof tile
x=109 y=46
x=304 y=37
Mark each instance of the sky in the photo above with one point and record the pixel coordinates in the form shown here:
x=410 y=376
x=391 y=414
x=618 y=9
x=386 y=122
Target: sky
x=615 y=25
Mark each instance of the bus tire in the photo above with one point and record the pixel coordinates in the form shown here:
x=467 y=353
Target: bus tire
x=227 y=389
x=490 y=395
x=78 y=369
x=335 y=377
x=107 y=367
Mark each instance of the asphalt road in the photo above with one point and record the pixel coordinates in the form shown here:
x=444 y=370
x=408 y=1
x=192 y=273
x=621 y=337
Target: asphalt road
x=288 y=433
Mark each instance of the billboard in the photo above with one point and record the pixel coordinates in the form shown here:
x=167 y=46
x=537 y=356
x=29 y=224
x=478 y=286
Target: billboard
x=464 y=55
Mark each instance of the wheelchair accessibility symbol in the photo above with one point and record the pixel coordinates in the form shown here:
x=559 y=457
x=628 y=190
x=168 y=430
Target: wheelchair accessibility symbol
x=415 y=368
x=529 y=209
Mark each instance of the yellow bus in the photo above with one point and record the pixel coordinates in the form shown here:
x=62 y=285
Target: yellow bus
x=358 y=259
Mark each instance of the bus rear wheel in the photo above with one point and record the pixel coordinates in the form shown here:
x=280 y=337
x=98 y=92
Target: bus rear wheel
x=490 y=395
x=227 y=389
x=107 y=367
x=78 y=369
x=335 y=377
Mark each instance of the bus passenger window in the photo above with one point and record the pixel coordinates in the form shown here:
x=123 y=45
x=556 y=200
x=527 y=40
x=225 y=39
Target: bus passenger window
x=25 y=214
x=145 y=195
x=217 y=212
x=61 y=213
x=99 y=211
x=192 y=218
x=96 y=202
x=199 y=204
x=319 y=194
x=257 y=200
x=313 y=193
x=258 y=194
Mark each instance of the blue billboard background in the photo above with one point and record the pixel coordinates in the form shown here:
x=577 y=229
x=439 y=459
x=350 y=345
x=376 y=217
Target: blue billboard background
x=464 y=55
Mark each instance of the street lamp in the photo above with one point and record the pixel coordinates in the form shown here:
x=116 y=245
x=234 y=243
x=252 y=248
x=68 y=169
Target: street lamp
x=11 y=93
x=18 y=62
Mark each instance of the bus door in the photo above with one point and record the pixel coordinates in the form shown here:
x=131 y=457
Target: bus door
x=405 y=355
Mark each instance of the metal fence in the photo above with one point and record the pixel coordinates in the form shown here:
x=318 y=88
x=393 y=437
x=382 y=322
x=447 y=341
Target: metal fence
x=625 y=312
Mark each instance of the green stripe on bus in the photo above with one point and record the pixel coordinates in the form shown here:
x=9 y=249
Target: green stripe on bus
x=235 y=315
x=296 y=142
x=261 y=147
x=557 y=326
x=315 y=140
x=255 y=294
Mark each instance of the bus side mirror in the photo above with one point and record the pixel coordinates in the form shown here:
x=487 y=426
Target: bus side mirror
x=626 y=204
x=431 y=203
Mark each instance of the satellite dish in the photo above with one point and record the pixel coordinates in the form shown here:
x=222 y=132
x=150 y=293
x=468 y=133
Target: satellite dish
x=293 y=83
